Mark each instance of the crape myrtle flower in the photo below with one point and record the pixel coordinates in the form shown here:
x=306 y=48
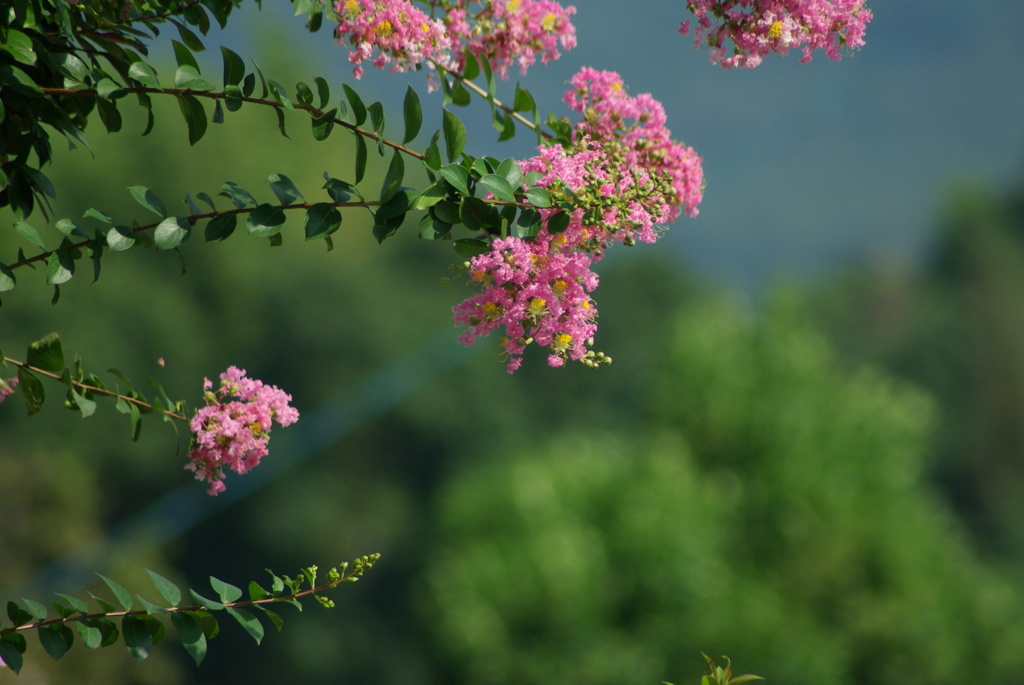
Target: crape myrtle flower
x=625 y=178
x=232 y=431
x=398 y=36
x=757 y=28
x=7 y=387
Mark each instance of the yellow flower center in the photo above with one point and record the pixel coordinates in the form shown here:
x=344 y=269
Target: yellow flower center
x=548 y=22
x=561 y=342
x=491 y=310
x=513 y=5
x=351 y=8
x=775 y=30
x=559 y=286
x=537 y=306
x=384 y=28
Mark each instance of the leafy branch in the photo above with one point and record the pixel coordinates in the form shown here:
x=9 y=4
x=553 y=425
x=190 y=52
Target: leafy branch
x=141 y=628
x=45 y=357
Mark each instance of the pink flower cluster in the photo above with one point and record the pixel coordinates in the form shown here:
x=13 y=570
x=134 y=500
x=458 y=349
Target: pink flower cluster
x=233 y=433
x=625 y=178
x=537 y=290
x=509 y=32
x=7 y=387
x=399 y=36
x=760 y=27
x=394 y=33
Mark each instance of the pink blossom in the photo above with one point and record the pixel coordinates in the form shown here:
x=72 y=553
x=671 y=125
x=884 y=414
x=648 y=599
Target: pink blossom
x=396 y=35
x=626 y=178
x=7 y=387
x=233 y=433
x=757 y=28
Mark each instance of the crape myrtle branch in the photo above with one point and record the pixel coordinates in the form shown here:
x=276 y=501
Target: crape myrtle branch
x=141 y=629
x=193 y=219
x=350 y=575
x=178 y=92
x=93 y=389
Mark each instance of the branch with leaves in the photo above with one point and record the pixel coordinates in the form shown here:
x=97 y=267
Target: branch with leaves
x=141 y=629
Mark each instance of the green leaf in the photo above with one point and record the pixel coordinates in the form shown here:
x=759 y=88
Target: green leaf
x=208 y=603
x=228 y=593
x=376 y=111
x=75 y=603
x=264 y=221
x=106 y=606
x=358 y=108
x=454 y=135
x=472 y=69
x=18 y=615
x=539 y=197
x=86 y=406
x=394 y=177
x=237 y=194
x=144 y=74
x=322 y=219
x=412 y=111
x=447 y=211
x=324 y=124
x=187 y=78
x=529 y=223
x=148 y=199
x=189 y=37
x=360 y=163
x=90 y=634
x=432 y=156
x=249 y=622
x=10 y=654
x=19 y=46
x=31 y=389
x=220 y=227
x=37 y=610
x=195 y=117
x=340 y=191
x=498 y=186
x=56 y=640
x=183 y=55
x=29 y=234
x=510 y=169
x=273 y=616
x=323 y=90
x=234 y=67
x=123 y=596
x=120 y=238
x=279 y=94
x=458 y=176
x=150 y=607
x=303 y=93
x=558 y=222
x=191 y=635
x=285 y=190
x=47 y=354
x=108 y=89
x=475 y=213
x=137 y=637
x=431 y=228
x=523 y=101
x=7 y=279
x=171 y=232
x=434 y=193
x=167 y=589
x=471 y=247
x=256 y=591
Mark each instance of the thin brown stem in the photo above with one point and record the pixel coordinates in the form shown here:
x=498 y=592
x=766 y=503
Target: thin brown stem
x=497 y=103
x=92 y=388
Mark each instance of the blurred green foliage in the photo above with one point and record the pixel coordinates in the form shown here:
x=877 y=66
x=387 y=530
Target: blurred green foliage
x=779 y=512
